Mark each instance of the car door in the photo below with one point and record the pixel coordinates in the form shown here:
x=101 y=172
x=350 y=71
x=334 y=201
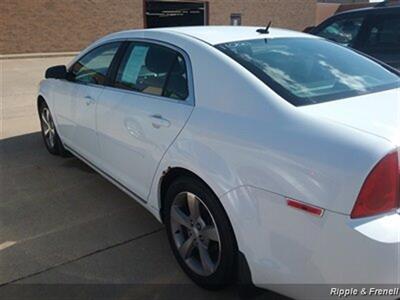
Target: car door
x=381 y=38
x=141 y=115
x=89 y=75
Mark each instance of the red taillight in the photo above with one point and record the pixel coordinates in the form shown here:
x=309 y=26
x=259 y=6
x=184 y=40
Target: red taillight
x=380 y=192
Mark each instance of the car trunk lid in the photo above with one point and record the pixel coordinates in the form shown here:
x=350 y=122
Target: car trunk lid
x=376 y=113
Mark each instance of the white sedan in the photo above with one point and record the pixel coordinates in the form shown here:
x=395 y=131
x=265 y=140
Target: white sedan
x=271 y=152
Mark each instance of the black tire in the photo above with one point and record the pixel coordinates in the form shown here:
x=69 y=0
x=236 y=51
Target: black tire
x=225 y=272
x=56 y=147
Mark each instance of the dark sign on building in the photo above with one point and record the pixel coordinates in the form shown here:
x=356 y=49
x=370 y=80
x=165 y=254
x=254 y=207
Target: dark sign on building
x=173 y=13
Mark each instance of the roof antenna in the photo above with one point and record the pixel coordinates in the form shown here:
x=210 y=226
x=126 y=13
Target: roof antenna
x=266 y=30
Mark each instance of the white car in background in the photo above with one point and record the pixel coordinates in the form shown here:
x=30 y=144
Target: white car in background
x=269 y=151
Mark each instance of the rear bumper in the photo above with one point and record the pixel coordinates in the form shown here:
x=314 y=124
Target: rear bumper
x=287 y=249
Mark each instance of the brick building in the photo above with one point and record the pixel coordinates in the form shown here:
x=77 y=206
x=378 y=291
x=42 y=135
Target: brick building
x=29 y=26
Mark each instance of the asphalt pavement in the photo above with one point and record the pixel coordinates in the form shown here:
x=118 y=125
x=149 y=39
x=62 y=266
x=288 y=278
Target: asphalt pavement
x=66 y=232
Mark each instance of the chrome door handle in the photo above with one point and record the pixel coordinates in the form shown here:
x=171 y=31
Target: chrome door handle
x=89 y=100
x=158 y=121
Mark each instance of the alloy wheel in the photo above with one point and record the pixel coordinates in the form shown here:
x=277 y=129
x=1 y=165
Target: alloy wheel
x=48 y=127
x=195 y=234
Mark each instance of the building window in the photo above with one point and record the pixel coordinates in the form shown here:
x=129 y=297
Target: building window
x=236 y=19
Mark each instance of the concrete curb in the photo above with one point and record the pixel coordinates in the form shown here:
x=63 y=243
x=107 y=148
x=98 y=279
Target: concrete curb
x=36 y=55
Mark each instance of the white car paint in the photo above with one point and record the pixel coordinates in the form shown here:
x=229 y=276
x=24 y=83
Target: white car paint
x=378 y=114
x=128 y=126
x=254 y=150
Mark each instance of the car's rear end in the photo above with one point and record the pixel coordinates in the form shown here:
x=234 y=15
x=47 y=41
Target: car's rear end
x=362 y=244
x=309 y=226
x=306 y=250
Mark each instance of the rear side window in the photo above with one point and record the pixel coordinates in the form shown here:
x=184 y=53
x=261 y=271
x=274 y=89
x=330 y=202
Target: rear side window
x=384 y=32
x=310 y=70
x=153 y=69
x=93 y=67
x=343 y=31
x=382 y=39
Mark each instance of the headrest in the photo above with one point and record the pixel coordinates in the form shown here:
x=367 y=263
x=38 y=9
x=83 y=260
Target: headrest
x=159 y=60
x=177 y=87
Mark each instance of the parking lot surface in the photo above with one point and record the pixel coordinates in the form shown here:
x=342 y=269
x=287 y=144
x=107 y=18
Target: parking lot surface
x=62 y=223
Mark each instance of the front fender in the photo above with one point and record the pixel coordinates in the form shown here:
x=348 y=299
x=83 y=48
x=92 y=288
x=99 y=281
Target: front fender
x=45 y=92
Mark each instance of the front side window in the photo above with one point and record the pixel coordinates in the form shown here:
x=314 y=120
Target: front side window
x=343 y=31
x=153 y=69
x=310 y=70
x=93 y=67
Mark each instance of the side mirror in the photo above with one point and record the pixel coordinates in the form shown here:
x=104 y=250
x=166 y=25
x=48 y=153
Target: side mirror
x=57 y=72
x=309 y=29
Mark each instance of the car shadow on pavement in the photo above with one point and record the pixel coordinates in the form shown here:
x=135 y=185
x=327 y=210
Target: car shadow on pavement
x=66 y=230
x=77 y=164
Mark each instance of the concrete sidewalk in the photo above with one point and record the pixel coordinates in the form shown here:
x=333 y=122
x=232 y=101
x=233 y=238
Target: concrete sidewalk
x=19 y=81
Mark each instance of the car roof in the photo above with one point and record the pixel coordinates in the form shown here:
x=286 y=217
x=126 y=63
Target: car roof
x=214 y=35
x=371 y=9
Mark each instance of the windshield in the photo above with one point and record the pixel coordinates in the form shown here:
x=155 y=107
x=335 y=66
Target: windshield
x=306 y=70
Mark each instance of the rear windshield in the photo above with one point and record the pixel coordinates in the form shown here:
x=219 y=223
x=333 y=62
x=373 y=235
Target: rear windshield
x=307 y=71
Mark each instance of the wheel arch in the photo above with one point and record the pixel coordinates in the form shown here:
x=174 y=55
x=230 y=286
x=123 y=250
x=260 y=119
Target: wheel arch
x=241 y=268
x=39 y=101
x=168 y=177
